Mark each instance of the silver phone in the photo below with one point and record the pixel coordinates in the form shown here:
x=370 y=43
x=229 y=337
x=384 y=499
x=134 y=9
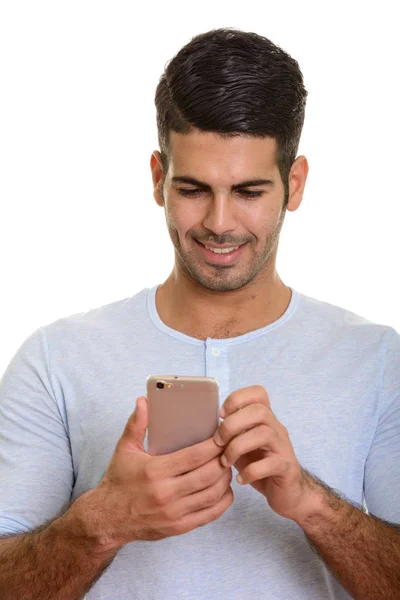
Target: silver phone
x=182 y=411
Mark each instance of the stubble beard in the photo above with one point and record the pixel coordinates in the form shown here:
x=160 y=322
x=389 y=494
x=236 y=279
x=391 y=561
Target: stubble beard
x=225 y=278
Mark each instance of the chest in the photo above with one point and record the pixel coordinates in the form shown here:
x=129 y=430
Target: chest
x=329 y=409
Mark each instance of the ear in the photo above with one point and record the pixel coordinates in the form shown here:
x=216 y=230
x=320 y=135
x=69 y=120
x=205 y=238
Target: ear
x=297 y=181
x=157 y=173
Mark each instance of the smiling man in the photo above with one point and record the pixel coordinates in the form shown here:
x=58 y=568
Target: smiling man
x=225 y=210
x=270 y=507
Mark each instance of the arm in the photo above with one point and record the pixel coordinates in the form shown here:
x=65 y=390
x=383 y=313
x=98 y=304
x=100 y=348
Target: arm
x=362 y=551
x=141 y=497
x=60 y=561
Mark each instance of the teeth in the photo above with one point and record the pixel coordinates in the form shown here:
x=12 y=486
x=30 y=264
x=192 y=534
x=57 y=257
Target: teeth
x=222 y=250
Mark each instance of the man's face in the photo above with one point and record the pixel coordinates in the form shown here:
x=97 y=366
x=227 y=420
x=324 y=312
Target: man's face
x=212 y=208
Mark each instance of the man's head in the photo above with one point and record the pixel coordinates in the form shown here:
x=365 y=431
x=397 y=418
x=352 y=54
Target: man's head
x=230 y=108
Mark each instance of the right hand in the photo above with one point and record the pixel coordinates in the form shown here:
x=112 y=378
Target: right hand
x=153 y=497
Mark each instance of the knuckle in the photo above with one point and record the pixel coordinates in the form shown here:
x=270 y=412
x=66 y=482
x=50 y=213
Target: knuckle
x=266 y=431
x=275 y=434
x=226 y=430
x=149 y=472
x=233 y=397
x=214 y=496
x=161 y=497
x=260 y=410
x=219 y=508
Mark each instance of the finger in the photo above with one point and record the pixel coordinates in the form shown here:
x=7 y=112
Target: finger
x=243 y=397
x=198 y=479
x=202 y=517
x=240 y=421
x=261 y=437
x=187 y=459
x=205 y=497
x=135 y=429
x=269 y=466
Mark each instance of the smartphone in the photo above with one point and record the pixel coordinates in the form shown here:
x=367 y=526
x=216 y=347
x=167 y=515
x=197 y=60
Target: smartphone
x=182 y=411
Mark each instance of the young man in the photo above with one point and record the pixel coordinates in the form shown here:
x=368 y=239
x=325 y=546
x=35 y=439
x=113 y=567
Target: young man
x=271 y=507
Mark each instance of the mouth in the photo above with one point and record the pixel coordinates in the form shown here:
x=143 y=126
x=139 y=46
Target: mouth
x=221 y=256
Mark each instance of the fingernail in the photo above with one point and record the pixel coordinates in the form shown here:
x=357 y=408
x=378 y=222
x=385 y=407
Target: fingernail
x=224 y=460
x=218 y=439
x=239 y=479
x=222 y=413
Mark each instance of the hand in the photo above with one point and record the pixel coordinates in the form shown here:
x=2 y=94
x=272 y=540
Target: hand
x=259 y=447
x=146 y=497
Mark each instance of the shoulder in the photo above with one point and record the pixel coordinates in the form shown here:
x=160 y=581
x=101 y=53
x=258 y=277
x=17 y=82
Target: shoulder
x=99 y=322
x=338 y=323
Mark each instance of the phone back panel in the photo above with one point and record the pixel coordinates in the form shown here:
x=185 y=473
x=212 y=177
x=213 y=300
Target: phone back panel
x=183 y=414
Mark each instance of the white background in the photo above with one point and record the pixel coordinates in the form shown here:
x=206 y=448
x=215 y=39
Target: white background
x=79 y=226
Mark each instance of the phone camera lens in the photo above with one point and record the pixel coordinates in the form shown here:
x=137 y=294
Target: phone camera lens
x=160 y=385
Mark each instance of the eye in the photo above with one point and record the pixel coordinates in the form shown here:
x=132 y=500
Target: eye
x=192 y=192
x=250 y=193
x=189 y=192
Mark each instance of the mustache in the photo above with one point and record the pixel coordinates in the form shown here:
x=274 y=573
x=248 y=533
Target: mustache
x=221 y=242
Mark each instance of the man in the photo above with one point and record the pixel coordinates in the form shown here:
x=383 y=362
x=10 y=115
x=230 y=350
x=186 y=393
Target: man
x=271 y=507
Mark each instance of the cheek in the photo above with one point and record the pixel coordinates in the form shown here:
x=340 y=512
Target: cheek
x=182 y=220
x=269 y=217
x=265 y=223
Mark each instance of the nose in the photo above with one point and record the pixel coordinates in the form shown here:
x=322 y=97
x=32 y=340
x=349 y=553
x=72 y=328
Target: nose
x=221 y=214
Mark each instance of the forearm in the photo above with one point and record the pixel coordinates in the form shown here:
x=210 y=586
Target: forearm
x=59 y=562
x=361 y=551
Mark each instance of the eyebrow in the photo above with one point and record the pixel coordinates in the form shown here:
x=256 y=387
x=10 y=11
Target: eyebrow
x=237 y=186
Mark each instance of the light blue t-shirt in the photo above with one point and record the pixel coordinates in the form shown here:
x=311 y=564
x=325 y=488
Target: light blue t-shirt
x=333 y=379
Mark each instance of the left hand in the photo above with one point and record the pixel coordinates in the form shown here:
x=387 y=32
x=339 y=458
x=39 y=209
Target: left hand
x=259 y=447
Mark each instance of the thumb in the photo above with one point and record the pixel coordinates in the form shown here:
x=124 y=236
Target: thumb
x=136 y=426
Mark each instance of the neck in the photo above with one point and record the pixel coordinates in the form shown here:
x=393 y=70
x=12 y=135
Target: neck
x=186 y=306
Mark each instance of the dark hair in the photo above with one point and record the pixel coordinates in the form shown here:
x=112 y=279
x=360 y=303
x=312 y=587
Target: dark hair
x=233 y=82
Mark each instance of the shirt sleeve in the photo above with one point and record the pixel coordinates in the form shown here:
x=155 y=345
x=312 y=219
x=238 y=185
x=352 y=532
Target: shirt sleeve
x=382 y=470
x=36 y=471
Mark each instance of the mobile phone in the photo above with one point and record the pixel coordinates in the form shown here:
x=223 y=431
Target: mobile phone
x=182 y=411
